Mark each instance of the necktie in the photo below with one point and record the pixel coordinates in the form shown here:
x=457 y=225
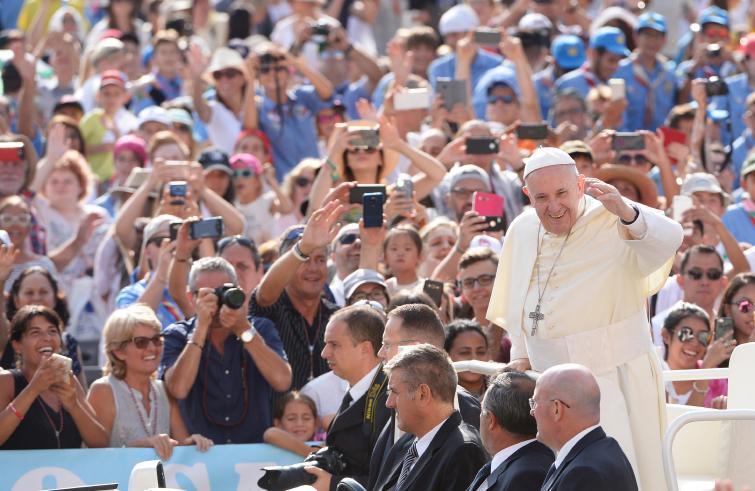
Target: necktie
x=482 y=478
x=409 y=459
x=345 y=403
x=549 y=475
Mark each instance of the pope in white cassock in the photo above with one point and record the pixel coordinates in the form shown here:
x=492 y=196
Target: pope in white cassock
x=573 y=279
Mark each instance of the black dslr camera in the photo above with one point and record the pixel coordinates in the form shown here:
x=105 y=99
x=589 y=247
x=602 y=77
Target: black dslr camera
x=231 y=296
x=716 y=86
x=281 y=478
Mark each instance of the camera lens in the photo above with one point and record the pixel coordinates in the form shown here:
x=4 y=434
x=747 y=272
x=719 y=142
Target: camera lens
x=230 y=296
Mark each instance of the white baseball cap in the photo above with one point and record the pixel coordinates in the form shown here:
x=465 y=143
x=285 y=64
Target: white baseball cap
x=459 y=18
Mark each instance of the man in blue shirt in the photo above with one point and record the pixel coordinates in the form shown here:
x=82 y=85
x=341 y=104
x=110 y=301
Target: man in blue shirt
x=568 y=53
x=221 y=365
x=650 y=80
x=745 y=142
x=454 y=25
x=607 y=48
x=739 y=217
x=740 y=87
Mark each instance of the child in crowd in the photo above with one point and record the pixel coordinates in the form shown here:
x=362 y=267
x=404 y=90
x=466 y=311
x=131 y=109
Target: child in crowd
x=402 y=249
x=295 y=423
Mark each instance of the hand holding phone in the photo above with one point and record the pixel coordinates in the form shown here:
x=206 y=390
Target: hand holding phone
x=491 y=207
x=209 y=228
x=434 y=290
x=372 y=211
x=680 y=205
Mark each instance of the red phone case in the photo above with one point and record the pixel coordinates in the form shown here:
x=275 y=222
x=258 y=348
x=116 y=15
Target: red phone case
x=672 y=135
x=488 y=204
x=11 y=151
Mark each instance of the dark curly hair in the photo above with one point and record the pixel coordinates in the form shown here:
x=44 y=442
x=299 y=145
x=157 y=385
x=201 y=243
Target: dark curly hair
x=22 y=318
x=60 y=307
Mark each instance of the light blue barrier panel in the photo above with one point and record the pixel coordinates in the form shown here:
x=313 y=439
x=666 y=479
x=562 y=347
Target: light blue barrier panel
x=222 y=468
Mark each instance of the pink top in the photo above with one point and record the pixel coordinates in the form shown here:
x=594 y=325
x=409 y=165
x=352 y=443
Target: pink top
x=718 y=387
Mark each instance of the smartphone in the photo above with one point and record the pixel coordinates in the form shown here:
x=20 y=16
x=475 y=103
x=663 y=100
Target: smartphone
x=723 y=325
x=482 y=145
x=11 y=151
x=680 y=205
x=453 y=91
x=356 y=193
x=490 y=206
x=532 y=131
x=372 y=212
x=209 y=228
x=411 y=99
x=405 y=185
x=173 y=230
x=177 y=188
x=488 y=37
x=364 y=138
x=434 y=290
x=672 y=135
x=618 y=88
x=715 y=86
x=628 y=141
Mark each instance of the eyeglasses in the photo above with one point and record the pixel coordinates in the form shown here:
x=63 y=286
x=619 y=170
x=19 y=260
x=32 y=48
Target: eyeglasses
x=686 y=334
x=697 y=274
x=463 y=193
x=327 y=118
x=302 y=182
x=388 y=346
x=265 y=69
x=368 y=150
x=483 y=280
x=638 y=159
x=10 y=220
x=575 y=111
x=182 y=128
x=244 y=173
x=141 y=342
x=229 y=73
x=332 y=55
x=348 y=239
x=506 y=99
x=156 y=240
x=533 y=403
x=376 y=295
x=744 y=305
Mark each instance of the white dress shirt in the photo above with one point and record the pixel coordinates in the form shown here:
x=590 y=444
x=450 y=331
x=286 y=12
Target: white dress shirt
x=502 y=455
x=360 y=388
x=561 y=455
x=423 y=443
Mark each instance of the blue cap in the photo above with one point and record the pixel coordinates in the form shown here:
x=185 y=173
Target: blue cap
x=714 y=15
x=652 y=20
x=569 y=51
x=610 y=39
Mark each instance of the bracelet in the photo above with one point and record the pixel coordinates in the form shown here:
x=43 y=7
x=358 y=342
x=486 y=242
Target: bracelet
x=196 y=344
x=179 y=260
x=694 y=386
x=298 y=254
x=334 y=175
x=15 y=411
x=636 y=216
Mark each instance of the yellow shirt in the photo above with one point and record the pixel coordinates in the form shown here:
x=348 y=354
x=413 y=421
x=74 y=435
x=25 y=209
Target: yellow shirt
x=31 y=7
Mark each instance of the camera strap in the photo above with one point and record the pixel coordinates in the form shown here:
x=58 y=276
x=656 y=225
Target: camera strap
x=376 y=388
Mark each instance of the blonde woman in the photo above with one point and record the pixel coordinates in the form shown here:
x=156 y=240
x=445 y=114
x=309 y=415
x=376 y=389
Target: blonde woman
x=438 y=238
x=132 y=406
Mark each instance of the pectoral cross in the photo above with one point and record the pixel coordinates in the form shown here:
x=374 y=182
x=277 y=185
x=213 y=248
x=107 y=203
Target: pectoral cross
x=536 y=317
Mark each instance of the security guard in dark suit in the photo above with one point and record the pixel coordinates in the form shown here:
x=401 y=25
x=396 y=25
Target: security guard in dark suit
x=352 y=339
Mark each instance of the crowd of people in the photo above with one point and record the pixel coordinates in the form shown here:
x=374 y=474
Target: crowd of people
x=281 y=221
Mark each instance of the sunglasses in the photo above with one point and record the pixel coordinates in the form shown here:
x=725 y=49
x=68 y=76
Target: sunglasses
x=302 y=182
x=367 y=150
x=716 y=32
x=9 y=220
x=712 y=274
x=506 y=99
x=141 y=342
x=265 y=69
x=244 y=173
x=157 y=240
x=347 y=239
x=743 y=305
x=638 y=159
x=229 y=73
x=483 y=280
x=686 y=334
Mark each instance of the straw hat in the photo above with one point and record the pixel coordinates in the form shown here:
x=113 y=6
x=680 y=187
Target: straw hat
x=645 y=186
x=390 y=157
x=224 y=58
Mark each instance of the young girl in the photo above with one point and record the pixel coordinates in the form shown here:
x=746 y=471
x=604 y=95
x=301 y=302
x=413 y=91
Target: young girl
x=438 y=238
x=294 y=423
x=402 y=250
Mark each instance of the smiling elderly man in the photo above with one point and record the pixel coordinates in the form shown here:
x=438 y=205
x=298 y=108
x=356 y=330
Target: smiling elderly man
x=573 y=278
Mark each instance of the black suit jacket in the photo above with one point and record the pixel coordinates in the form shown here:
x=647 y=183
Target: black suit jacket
x=450 y=462
x=469 y=407
x=354 y=437
x=596 y=463
x=524 y=470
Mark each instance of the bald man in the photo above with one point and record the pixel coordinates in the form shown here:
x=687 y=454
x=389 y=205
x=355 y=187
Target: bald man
x=566 y=406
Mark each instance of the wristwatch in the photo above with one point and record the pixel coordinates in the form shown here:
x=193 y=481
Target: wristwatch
x=248 y=335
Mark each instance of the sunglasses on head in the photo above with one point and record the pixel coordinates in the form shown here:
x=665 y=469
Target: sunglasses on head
x=506 y=99
x=367 y=150
x=744 y=305
x=244 y=172
x=686 y=334
x=712 y=274
x=347 y=239
x=638 y=159
x=302 y=181
x=265 y=69
x=141 y=342
x=229 y=73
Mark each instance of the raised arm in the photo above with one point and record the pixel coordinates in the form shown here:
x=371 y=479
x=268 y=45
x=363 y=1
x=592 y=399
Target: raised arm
x=322 y=85
x=511 y=47
x=251 y=114
x=197 y=66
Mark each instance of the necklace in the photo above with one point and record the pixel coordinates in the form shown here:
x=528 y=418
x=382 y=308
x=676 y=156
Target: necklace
x=141 y=408
x=536 y=315
x=55 y=429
